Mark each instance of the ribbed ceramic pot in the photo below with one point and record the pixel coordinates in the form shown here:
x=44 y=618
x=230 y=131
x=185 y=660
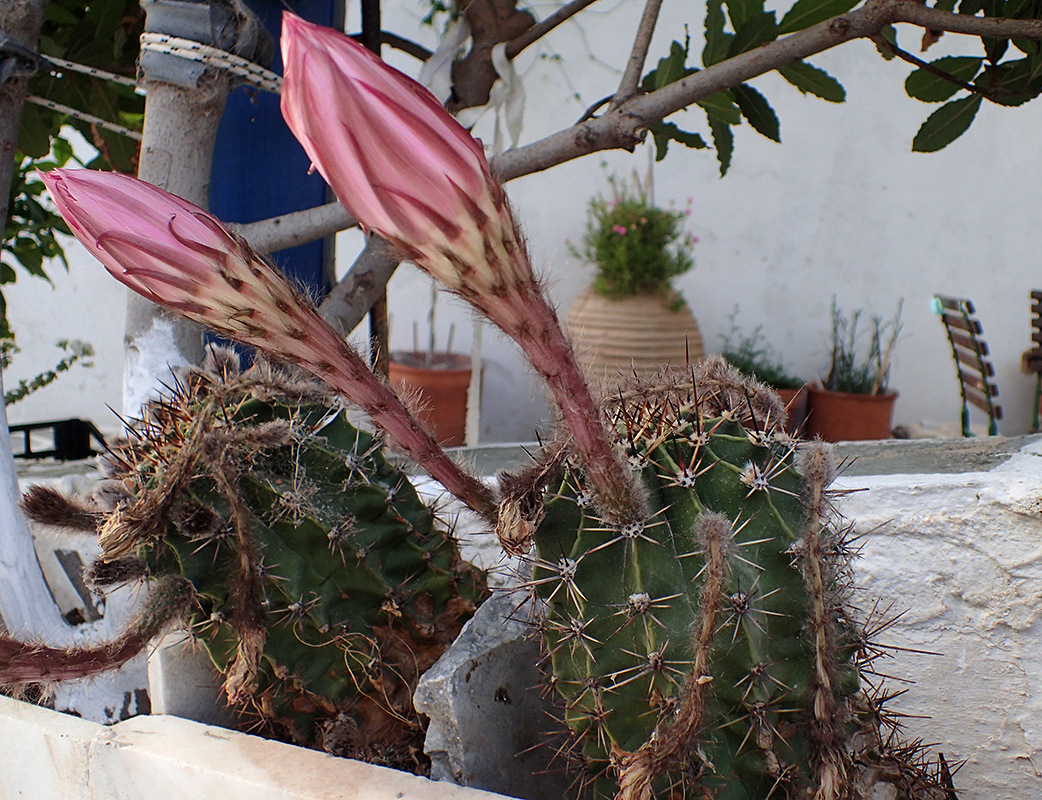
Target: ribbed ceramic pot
x=639 y=334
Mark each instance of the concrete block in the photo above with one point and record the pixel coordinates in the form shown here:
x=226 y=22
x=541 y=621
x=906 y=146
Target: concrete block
x=489 y=709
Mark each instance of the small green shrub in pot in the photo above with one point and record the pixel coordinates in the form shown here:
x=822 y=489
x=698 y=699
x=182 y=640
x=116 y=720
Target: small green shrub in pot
x=848 y=371
x=753 y=354
x=636 y=246
x=854 y=400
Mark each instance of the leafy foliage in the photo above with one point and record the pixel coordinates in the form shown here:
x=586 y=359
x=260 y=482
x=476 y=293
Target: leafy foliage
x=636 y=246
x=753 y=354
x=752 y=27
x=30 y=233
x=850 y=372
x=103 y=35
x=1004 y=75
x=76 y=352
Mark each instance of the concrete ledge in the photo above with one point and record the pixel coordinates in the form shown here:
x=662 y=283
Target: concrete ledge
x=53 y=756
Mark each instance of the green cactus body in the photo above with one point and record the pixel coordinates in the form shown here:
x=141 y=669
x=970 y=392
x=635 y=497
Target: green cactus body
x=690 y=652
x=323 y=586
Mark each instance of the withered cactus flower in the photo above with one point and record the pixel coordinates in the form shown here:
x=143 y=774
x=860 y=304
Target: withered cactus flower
x=411 y=173
x=179 y=256
x=21 y=663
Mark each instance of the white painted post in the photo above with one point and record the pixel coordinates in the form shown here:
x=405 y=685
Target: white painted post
x=26 y=606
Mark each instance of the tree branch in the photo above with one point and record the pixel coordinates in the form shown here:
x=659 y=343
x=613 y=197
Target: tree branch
x=626 y=125
x=540 y=29
x=639 y=53
x=938 y=20
x=295 y=228
x=349 y=301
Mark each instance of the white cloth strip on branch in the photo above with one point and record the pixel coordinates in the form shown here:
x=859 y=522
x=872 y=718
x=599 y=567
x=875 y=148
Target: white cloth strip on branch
x=83 y=115
x=215 y=57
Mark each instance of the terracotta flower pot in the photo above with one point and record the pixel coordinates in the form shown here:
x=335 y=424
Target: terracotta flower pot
x=841 y=416
x=639 y=334
x=442 y=388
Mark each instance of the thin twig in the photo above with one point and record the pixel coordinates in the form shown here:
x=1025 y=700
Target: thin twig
x=589 y=112
x=414 y=49
x=885 y=44
x=638 y=54
x=540 y=29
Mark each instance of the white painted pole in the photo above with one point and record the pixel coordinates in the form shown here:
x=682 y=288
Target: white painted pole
x=26 y=606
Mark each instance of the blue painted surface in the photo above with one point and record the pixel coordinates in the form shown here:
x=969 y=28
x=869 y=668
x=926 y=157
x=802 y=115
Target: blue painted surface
x=259 y=169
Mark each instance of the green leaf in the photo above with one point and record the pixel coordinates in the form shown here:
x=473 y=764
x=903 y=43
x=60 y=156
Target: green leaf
x=946 y=124
x=888 y=33
x=741 y=11
x=930 y=88
x=717 y=41
x=665 y=132
x=812 y=80
x=669 y=70
x=723 y=140
x=760 y=29
x=757 y=111
x=722 y=107
x=34 y=138
x=1011 y=83
x=805 y=13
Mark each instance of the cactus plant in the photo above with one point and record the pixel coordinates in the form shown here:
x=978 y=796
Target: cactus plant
x=698 y=628
x=315 y=578
x=712 y=650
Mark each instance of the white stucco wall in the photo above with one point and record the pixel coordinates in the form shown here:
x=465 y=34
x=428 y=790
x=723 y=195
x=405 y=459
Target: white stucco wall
x=841 y=208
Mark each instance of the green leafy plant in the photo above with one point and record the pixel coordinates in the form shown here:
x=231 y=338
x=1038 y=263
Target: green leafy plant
x=754 y=355
x=101 y=34
x=32 y=226
x=852 y=372
x=636 y=246
x=77 y=352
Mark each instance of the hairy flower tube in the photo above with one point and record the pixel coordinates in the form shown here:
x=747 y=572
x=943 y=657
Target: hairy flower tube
x=180 y=257
x=411 y=173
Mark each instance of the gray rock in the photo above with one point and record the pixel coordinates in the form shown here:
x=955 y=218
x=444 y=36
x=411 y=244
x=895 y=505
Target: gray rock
x=489 y=709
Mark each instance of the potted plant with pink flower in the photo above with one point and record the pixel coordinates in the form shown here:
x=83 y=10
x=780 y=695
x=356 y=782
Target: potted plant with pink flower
x=630 y=319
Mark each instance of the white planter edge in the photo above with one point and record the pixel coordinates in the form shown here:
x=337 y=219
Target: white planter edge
x=54 y=756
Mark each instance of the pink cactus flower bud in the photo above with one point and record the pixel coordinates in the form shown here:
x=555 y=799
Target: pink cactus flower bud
x=181 y=257
x=398 y=162
x=409 y=172
x=620 y=229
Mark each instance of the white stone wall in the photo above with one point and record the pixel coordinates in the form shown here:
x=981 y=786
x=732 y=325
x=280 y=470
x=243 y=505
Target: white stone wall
x=841 y=208
x=959 y=558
